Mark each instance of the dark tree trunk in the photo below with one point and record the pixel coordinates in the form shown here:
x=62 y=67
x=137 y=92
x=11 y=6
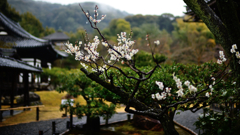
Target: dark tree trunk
x=168 y=124
x=92 y=124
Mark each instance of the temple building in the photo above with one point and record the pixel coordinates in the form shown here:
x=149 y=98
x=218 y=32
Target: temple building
x=22 y=57
x=59 y=39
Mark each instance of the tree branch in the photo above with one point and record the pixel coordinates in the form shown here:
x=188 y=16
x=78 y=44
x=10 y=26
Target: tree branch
x=117 y=90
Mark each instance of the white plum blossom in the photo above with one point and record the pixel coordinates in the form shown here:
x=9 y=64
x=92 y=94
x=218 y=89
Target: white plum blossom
x=192 y=88
x=180 y=92
x=219 y=61
x=211 y=88
x=237 y=54
x=164 y=94
x=168 y=90
x=160 y=97
x=233 y=50
x=157 y=42
x=94 y=70
x=160 y=85
x=153 y=96
x=207 y=94
x=221 y=55
x=213 y=78
x=105 y=44
x=84 y=65
x=187 y=83
x=234 y=46
x=222 y=58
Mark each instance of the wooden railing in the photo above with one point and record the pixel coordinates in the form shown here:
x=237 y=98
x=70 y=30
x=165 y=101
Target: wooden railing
x=19 y=108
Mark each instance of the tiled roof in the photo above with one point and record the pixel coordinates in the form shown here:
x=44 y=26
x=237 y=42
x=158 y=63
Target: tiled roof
x=19 y=42
x=7 y=51
x=17 y=29
x=61 y=53
x=21 y=39
x=17 y=64
x=57 y=36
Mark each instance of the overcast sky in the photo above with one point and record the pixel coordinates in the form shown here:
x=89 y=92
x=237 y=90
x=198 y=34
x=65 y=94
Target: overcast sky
x=148 y=7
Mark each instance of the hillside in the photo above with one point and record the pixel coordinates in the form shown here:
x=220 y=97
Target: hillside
x=65 y=17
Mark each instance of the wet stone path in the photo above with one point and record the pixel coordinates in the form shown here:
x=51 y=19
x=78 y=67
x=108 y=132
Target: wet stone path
x=186 y=119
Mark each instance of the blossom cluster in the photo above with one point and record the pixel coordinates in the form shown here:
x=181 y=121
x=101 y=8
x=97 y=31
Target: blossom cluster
x=101 y=69
x=71 y=49
x=164 y=94
x=123 y=50
x=91 y=53
x=180 y=93
x=179 y=84
x=222 y=58
x=180 y=87
x=233 y=50
x=210 y=87
x=94 y=19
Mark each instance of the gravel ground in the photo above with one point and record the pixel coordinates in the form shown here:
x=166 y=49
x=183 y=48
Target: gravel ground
x=187 y=119
x=33 y=128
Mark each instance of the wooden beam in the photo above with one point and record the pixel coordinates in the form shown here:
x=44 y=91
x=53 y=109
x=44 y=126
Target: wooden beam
x=19 y=108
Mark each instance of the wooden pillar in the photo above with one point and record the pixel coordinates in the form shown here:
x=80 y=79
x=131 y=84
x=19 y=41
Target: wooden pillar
x=106 y=123
x=1 y=118
x=53 y=127
x=35 y=61
x=71 y=119
x=26 y=89
x=1 y=94
x=13 y=90
x=37 y=113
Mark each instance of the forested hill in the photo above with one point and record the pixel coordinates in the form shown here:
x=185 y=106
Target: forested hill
x=66 y=17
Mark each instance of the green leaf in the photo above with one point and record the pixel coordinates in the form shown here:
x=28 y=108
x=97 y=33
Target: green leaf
x=92 y=104
x=177 y=113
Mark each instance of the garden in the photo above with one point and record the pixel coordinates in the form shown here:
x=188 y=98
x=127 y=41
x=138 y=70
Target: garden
x=119 y=68
x=158 y=91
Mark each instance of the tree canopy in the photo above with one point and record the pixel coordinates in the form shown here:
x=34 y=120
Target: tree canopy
x=31 y=24
x=9 y=11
